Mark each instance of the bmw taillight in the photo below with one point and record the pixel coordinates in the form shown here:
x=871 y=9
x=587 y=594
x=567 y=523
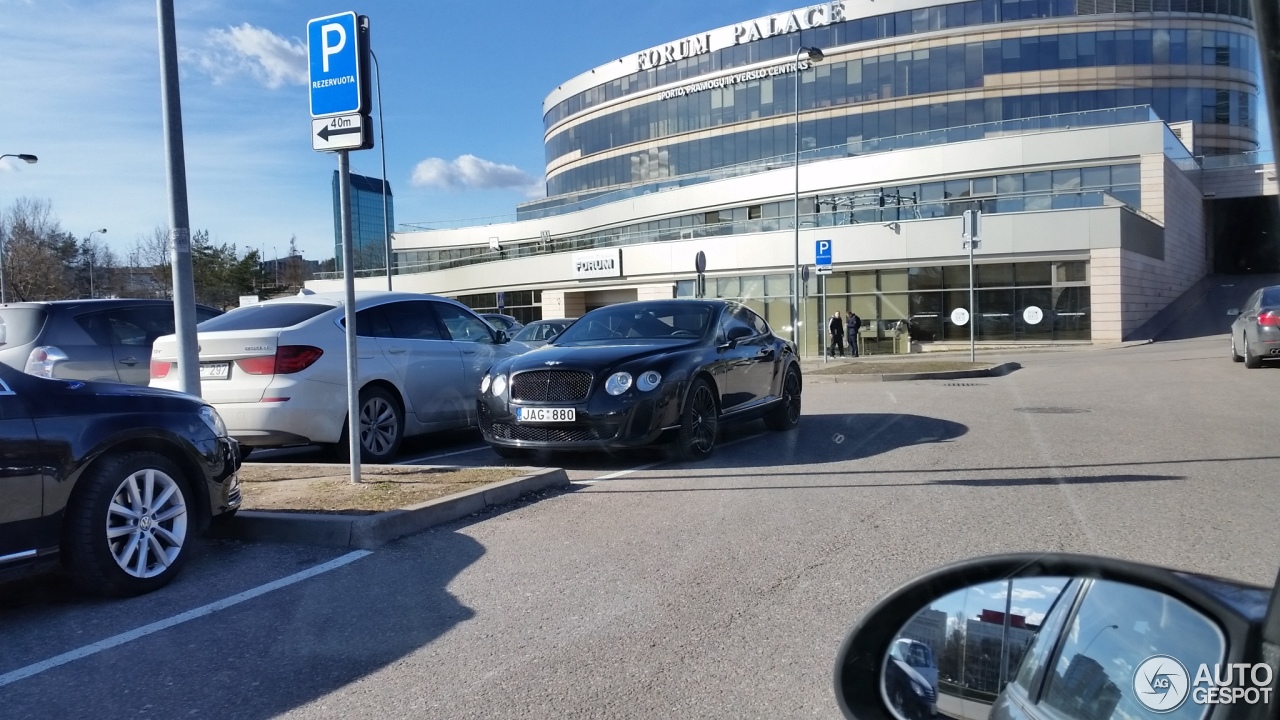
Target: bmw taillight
x=296 y=358
x=159 y=369
x=287 y=360
x=1270 y=318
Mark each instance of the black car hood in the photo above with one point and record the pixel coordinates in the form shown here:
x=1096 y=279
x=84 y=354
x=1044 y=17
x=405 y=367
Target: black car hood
x=71 y=397
x=593 y=357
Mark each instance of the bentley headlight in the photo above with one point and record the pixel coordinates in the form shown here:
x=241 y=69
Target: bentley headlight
x=499 y=385
x=618 y=383
x=484 y=384
x=648 y=380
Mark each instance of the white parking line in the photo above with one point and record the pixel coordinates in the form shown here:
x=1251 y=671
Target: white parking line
x=213 y=607
x=419 y=461
x=646 y=466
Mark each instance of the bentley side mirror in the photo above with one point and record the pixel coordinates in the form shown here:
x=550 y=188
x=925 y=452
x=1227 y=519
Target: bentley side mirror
x=1042 y=636
x=502 y=337
x=736 y=334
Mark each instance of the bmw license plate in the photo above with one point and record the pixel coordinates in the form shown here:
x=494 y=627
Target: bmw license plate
x=528 y=414
x=215 y=371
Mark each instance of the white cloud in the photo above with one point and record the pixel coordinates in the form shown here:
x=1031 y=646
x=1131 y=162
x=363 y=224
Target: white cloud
x=1033 y=616
x=471 y=172
x=272 y=59
x=1020 y=594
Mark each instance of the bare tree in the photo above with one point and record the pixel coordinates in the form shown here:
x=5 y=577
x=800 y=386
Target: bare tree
x=151 y=268
x=38 y=256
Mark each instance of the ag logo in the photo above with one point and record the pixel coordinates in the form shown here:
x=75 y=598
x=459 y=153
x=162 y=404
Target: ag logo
x=1160 y=683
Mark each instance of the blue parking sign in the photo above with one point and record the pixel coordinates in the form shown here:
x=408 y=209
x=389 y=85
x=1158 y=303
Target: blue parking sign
x=822 y=253
x=334 y=61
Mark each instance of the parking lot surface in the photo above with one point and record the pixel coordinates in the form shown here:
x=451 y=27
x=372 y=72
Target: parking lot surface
x=660 y=589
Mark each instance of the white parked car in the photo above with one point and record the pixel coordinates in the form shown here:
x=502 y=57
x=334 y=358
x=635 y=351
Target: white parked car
x=277 y=371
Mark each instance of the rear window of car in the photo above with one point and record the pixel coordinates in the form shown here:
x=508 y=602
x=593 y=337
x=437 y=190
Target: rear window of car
x=19 y=326
x=1271 y=296
x=263 y=317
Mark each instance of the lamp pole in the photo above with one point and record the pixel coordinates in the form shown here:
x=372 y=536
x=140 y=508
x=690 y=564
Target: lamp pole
x=813 y=55
x=30 y=160
x=92 y=253
x=382 y=146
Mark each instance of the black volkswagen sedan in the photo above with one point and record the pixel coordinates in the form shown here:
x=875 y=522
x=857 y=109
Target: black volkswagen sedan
x=643 y=373
x=113 y=480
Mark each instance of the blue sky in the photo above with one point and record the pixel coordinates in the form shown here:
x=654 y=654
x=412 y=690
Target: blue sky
x=81 y=84
x=463 y=84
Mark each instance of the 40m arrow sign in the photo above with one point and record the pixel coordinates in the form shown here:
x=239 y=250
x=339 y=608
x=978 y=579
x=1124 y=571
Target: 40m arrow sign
x=341 y=132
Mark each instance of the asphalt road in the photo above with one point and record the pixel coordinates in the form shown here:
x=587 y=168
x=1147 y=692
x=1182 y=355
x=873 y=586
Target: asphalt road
x=721 y=589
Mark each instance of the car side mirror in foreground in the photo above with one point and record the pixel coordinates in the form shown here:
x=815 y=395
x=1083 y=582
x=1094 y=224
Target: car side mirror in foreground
x=501 y=337
x=1055 y=636
x=735 y=334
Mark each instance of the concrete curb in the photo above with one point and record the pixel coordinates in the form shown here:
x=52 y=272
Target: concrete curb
x=996 y=371
x=368 y=532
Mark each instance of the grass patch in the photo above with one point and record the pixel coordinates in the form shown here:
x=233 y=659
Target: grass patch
x=321 y=489
x=901 y=366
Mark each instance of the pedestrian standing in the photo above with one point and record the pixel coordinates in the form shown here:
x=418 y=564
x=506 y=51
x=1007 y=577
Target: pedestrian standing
x=854 y=323
x=836 y=328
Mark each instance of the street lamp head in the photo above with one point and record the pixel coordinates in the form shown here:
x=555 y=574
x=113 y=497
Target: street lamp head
x=103 y=231
x=28 y=159
x=813 y=53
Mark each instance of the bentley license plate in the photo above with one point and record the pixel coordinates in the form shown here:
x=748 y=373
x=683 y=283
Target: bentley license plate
x=527 y=414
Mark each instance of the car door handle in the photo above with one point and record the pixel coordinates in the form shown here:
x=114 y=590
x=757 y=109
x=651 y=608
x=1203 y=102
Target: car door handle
x=765 y=352
x=130 y=361
x=468 y=352
x=396 y=350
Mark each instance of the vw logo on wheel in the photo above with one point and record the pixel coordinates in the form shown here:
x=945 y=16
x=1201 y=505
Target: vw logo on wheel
x=1160 y=683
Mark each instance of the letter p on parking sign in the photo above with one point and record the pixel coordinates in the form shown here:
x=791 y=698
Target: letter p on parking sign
x=337 y=60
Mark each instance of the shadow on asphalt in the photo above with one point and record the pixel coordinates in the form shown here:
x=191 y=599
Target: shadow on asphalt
x=982 y=483
x=279 y=652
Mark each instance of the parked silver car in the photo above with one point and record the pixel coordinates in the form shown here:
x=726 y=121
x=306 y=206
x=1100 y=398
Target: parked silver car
x=276 y=371
x=539 y=332
x=98 y=340
x=1255 y=334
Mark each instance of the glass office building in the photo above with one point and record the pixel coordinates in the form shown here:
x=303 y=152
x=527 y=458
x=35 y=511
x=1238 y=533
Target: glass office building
x=891 y=74
x=368 y=229
x=1110 y=145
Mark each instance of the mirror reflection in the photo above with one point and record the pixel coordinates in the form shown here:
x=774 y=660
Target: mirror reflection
x=1060 y=648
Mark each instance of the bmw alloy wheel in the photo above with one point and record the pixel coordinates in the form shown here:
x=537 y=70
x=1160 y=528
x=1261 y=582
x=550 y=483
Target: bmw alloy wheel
x=146 y=523
x=379 y=426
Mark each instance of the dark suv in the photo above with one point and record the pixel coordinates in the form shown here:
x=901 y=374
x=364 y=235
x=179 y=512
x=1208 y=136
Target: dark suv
x=101 y=340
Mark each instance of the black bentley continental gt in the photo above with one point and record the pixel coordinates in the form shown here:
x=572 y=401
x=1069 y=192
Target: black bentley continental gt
x=643 y=373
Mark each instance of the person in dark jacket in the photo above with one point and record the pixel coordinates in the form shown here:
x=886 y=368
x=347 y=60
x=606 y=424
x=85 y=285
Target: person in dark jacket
x=836 y=328
x=855 y=323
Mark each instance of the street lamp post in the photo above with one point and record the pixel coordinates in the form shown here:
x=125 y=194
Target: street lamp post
x=813 y=55
x=92 y=252
x=382 y=146
x=30 y=160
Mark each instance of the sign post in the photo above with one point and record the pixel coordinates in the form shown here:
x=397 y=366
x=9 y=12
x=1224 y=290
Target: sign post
x=972 y=228
x=700 y=283
x=338 y=62
x=184 y=288
x=804 y=284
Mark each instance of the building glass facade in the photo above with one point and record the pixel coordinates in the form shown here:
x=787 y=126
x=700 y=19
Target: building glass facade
x=919 y=300
x=1189 y=60
x=879 y=27
x=368 y=233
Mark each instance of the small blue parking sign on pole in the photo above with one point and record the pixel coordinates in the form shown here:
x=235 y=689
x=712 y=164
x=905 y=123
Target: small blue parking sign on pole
x=822 y=256
x=334 y=59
